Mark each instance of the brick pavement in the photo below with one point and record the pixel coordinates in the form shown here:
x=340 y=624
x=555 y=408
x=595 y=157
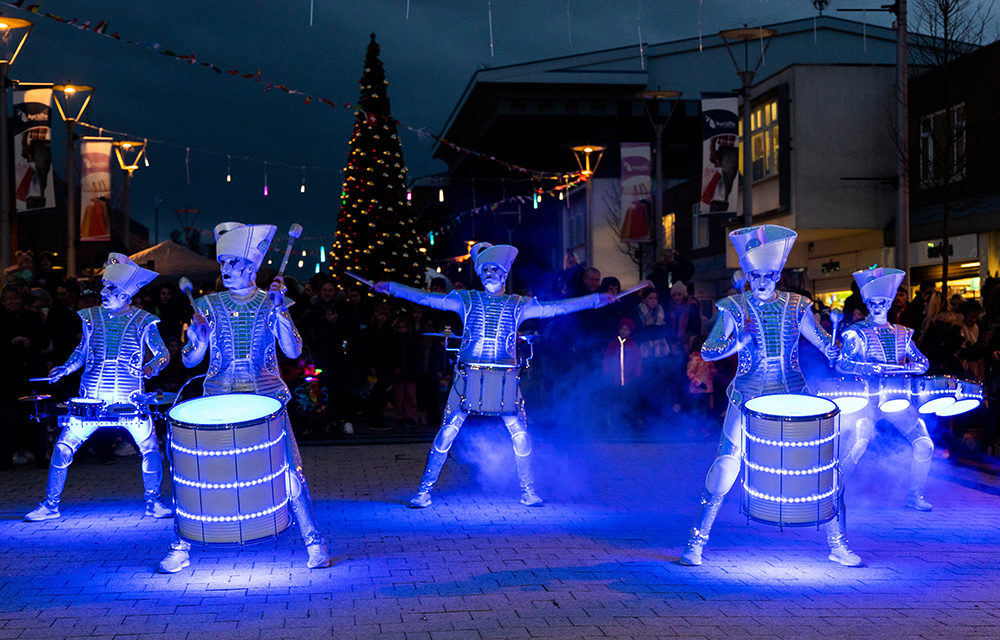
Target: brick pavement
x=597 y=561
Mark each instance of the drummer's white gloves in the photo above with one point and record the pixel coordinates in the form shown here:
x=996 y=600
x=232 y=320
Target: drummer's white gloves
x=56 y=373
x=197 y=333
x=277 y=292
x=745 y=341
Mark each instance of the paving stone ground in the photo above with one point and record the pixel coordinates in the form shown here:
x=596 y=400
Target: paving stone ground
x=597 y=561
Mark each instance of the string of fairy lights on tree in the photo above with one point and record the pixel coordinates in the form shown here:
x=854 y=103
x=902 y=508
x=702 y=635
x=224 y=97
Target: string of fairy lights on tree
x=375 y=230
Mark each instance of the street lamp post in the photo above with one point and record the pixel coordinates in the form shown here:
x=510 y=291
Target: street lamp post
x=128 y=153
x=746 y=36
x=13 y=33
x=71 y=100
x=588 y=156
x=658 y=129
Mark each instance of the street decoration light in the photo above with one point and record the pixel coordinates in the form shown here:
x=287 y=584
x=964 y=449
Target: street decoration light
x=746 y=36
x=13 y=33
x=128 y=153
x=71 y=101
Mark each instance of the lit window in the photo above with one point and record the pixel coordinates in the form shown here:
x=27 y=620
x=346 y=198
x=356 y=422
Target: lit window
x=942 y=147
x=764 y=140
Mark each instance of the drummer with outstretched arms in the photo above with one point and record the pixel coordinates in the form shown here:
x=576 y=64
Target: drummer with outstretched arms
x=240 y=329
x=763 y=326
x=487 y=358
x=876 y=349
x=111 y=350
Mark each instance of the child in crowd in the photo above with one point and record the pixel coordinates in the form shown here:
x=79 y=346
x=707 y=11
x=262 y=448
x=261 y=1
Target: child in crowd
x=700 y=373
x=622 y=368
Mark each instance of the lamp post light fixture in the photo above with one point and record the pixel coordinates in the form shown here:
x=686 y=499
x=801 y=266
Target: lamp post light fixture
x=746 y=36
x=71 y=101
x=652 y=98
x=13 y=33
x=129 y=153
x=588 y=156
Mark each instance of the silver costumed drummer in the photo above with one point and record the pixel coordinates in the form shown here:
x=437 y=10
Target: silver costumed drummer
x=762 y=325
x=111 y=350
x=489 y=348
x=874 y=348
x=240 y=328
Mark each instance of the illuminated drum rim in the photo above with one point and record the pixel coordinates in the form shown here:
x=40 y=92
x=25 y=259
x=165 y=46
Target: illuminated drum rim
x=87 y=401
x=849 y=404
x=894 y=405
x=959 y=407
x=232 y=410
x=937 y=404
x=790 y=407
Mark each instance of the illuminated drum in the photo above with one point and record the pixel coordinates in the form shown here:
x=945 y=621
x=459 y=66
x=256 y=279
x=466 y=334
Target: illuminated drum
x=489 y=390
x=968 y=396
x=84 y=408
x=894 y=393
x=228 y=464
x=849 y=393
x=931 y=394
x=790 y=470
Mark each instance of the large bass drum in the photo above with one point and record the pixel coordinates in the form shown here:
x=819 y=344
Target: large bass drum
x=229 y=466
x=791 y=471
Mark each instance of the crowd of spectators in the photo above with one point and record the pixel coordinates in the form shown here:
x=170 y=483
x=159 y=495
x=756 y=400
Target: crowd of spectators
x=384 y=365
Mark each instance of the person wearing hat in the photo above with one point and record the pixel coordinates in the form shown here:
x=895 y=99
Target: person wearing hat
x=488 y=351
x=115 y=337
x=241 y=328
x=875 y=347
x=763 y=326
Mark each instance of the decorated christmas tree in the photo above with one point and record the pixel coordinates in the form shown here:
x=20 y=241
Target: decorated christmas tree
x=376 y=237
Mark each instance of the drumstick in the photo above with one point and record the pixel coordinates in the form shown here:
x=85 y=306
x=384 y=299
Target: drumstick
x=836 y=315
x=360 y=279
x=185 y=285
x=294 y=232
x=39 y=379
x=639 y=287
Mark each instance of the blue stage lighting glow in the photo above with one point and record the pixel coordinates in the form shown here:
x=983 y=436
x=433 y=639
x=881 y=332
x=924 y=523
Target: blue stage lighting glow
x=239 y=408
x=241 y=517
x=895 y=405
x=230 y=485
x=790 y=405
x=228 y=452
x=74 y=423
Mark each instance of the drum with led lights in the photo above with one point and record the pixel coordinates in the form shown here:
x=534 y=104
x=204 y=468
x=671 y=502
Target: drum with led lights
x=968 y=396
x=931 y=394
x=228 y=463
x=849 y=393
x=790 y=460
x=489 y=390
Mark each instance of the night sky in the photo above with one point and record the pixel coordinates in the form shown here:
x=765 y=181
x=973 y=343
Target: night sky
x=429 y=59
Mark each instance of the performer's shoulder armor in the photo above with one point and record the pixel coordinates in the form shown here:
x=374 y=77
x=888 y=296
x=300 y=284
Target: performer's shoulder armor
x=87 y=315
x=146 y=318
x=800 y=302
x=732 y=305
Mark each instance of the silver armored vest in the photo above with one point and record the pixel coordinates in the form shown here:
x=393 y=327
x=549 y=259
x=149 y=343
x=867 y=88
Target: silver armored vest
x=243 y=357
x=490 y=333
x=113 y=369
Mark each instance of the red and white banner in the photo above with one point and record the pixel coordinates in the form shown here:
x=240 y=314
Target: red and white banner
x=635 y=185
x=720 y=160
x=32 y=131
x=95 y=190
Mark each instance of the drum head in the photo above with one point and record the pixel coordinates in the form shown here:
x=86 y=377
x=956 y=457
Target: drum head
x=790 y=405
x=87 y=402
x=227 y=410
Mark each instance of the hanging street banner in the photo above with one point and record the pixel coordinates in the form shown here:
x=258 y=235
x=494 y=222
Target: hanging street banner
x=720 y=153
x=32 y=132
x=95 y=190
x=635 y=185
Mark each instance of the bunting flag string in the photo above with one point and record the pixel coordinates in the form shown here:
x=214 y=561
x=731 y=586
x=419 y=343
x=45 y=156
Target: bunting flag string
x=101 y=28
